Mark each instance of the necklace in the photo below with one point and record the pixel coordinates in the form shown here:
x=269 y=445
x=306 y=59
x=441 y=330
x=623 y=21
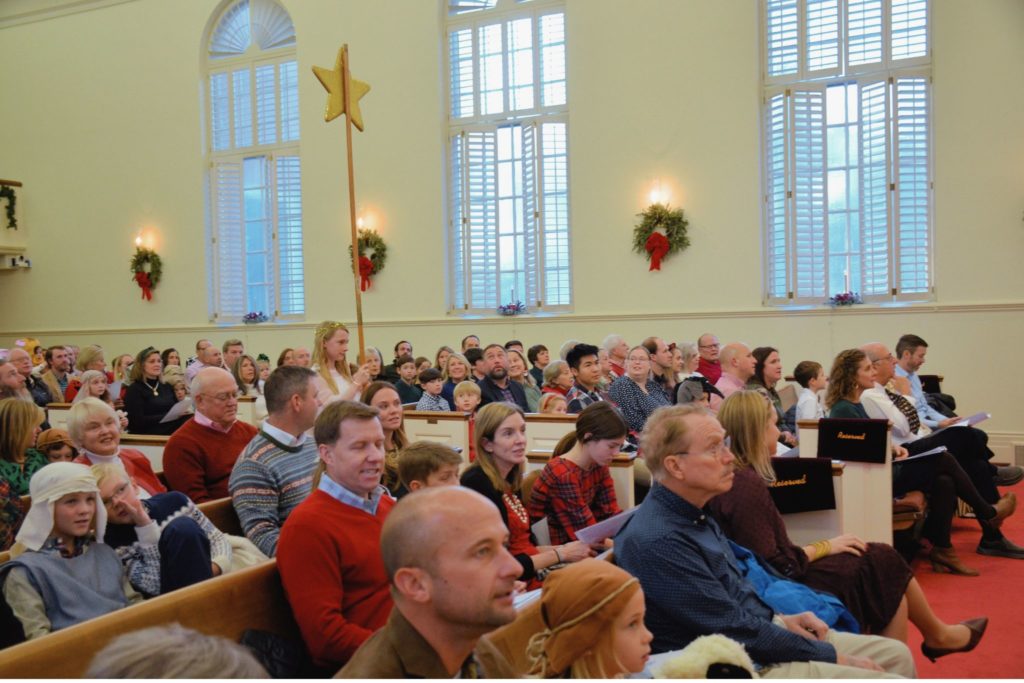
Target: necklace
x=513 y=504
x=153 y=389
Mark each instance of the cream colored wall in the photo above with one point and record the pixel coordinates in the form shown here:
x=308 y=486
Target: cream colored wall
x=100 y=115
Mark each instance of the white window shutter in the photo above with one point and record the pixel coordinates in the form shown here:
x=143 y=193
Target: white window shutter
x=458 y=219
x=909 y=29
x=226 y=194
x=266 y=104
x=289 y=101
x=461 y=86
x=913 y=185
x=530 y=211
x=220 y=112
x=291 y=284
x=864 y=32
x=782 y=40
x=822 y=37
x=554 y=166
x=809 y=200
x=776 y=204
x=482 y=233
x=241 y=90
x=875 y=206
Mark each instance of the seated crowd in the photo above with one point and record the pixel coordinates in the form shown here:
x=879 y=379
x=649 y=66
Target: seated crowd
x=398 y=558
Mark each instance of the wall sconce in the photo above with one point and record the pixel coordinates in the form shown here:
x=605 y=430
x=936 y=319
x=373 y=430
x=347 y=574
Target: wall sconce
x=659 y=194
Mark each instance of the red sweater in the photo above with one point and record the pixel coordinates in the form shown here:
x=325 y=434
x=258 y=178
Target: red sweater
x=333 y=574
x=198 y=460
x=138 y=467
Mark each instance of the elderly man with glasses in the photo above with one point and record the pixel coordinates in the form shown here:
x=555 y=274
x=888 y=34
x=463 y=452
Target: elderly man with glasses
x=199 y=456
x=692 y=582
x=709 y=365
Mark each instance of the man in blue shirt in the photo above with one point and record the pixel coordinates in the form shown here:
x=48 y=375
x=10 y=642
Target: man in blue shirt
x=692 y=583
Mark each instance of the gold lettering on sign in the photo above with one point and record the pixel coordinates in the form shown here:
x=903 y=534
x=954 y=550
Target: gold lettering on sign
x=788 y=482
x=852 y=437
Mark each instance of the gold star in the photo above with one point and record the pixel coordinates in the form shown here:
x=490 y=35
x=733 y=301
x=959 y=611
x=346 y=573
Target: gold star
x=334 y=84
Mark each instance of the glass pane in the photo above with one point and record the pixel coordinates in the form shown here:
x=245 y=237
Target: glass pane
x=506 y=217
x=259 y=299
x=837 y=242
x=838 y=275
x=836 y=146
x=835 y=105
x=242 y=108
x=255 y=238
x=256 y=268
x=853 y=147
x=836 y=190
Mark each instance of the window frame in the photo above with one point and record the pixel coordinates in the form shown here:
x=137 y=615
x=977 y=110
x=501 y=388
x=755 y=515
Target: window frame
x=457 y=234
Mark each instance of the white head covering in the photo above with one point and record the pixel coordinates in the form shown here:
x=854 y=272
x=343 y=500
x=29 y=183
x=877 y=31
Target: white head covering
x=46 y=487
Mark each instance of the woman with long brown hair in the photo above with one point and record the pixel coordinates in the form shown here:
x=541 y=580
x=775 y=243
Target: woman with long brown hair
x=384 y=397
x=19 y=426
x=497 y=473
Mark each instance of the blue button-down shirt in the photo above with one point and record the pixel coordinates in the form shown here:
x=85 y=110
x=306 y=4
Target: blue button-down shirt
x=928 y=415
x=693 y=586
x=343 y=495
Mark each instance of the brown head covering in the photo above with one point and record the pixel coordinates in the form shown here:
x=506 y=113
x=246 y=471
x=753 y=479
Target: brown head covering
x=577 y=604
x=53 y=437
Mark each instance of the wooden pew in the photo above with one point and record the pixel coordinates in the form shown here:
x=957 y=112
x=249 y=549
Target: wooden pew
x=863 y=498
x=447 y=428
x=150 y=445
x=621 y=470
x=57 y=415
x=247 y=410
x=543 y=432
x=226 y=606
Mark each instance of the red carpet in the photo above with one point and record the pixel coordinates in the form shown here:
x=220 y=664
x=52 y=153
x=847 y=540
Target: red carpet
x=995 y=594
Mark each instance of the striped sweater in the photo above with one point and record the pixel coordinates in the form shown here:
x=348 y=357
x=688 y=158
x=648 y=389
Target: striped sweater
x=268 y=481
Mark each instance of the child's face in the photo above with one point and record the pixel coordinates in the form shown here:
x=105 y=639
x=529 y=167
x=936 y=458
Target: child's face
x=467 y=403
x=433 y=387
x=72 y=515
x=631 y=641
x=62 y=454
x=407 y=372
x=422 y=366
x=264 y=370
x=179 y=392
x=557 y=406
x=447 y=475
x=819 y=382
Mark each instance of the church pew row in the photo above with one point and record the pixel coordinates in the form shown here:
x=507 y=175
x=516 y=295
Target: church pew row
x=226 y=606
x=621 y=470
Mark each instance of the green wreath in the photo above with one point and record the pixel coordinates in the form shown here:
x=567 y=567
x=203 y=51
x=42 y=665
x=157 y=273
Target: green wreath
x=7 y=192
x=671 y=221
x=368 y=239
x=146 y=270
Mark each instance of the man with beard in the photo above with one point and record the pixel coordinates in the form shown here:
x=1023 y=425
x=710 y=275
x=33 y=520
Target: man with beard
x=496 y=386
x=21 y=360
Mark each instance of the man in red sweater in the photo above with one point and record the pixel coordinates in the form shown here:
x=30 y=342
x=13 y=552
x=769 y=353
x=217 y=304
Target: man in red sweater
x=198 y=458
x=328 y=553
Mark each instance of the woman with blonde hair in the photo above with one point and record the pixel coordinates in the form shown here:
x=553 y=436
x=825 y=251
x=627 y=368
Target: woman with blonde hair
x=519 y=371
x=20 y=423
x=593 y=617
x=384 y=397
x=497 y=473
x=456 y=369
x=558 y=378
x=334 y=380
x=871 y=579
x=441 y=357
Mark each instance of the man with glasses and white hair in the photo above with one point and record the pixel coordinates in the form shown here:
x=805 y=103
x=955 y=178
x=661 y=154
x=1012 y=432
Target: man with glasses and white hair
x=618 y=350
x=692 y=582
x=198 y=458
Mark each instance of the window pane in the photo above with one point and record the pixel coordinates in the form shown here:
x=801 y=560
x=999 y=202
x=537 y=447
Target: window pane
x=909 y=28
x=242 y=108
x=864 y=27
x=782 y=37
x=822 y=34
x=266 y=104
x=492 y=71
x=289 y=101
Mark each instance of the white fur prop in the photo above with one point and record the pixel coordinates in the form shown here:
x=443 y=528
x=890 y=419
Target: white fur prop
x=693 y=660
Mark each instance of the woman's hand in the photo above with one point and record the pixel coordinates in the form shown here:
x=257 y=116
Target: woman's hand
x=848 y=543
x=788 y=439
x=362 y=376
x=899 y=452
x=575 y=551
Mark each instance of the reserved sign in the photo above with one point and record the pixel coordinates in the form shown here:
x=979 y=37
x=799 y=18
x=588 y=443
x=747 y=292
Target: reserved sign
x=802 y=485
x=852 y=439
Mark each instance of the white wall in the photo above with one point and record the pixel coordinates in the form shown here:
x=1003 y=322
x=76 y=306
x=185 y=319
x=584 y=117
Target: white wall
x=100 y=120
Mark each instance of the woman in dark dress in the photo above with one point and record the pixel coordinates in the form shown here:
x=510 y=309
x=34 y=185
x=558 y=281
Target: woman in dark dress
x=871 y=579
x=147 y=400
x=767 y=374
x=497 y=473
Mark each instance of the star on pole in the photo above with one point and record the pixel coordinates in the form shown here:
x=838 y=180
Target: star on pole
x=334 y=83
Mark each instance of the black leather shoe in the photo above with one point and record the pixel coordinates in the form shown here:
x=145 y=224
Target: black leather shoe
x=1002 y=547
x=1008 y=475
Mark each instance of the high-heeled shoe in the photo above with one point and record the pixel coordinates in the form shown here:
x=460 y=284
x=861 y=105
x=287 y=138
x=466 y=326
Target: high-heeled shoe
x=975 y=626
x=945 y=560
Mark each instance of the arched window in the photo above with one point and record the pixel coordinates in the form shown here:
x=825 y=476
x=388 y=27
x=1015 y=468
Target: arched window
x=254 y=201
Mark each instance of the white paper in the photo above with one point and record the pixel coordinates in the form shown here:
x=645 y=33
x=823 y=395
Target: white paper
x=523 y=599
x=182 y=407
x=966 y=422
x=925 y=454
x=596 y=533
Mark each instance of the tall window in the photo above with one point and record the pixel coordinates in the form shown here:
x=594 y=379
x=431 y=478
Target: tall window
x=508 y=169
x=847 y=149
x=252 y=144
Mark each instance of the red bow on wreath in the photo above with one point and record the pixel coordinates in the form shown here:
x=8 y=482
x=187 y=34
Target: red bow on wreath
x=142 y=277
x=657 y=247
x=365 y=271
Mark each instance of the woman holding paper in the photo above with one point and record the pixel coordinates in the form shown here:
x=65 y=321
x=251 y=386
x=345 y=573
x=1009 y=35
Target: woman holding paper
x=497 y=474
x=871 y=579
x=575 y=489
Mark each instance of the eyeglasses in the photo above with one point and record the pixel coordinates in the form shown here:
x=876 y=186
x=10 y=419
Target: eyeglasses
x=709 y=346
x=717 y=451
x=222 y=397
x=891 y=358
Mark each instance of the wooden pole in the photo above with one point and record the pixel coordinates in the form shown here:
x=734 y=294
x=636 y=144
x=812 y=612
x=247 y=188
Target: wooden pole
x=346 y=80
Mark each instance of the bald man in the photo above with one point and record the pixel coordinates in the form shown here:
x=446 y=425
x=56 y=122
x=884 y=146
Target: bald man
x=452 y=579
x=737 y=368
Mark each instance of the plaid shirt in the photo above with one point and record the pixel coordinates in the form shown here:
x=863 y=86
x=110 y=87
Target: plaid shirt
x=572 y=498
x=579 y=398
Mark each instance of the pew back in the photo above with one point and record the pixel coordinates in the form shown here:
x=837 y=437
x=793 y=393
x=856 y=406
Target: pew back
x=543 y=432
x=621 y=470
x=447 y=428
x=150 y=445
x=226 y=606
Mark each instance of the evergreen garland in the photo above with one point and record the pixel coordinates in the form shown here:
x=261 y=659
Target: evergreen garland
x=671 y=221
x=7 y=192
x=368 y=239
